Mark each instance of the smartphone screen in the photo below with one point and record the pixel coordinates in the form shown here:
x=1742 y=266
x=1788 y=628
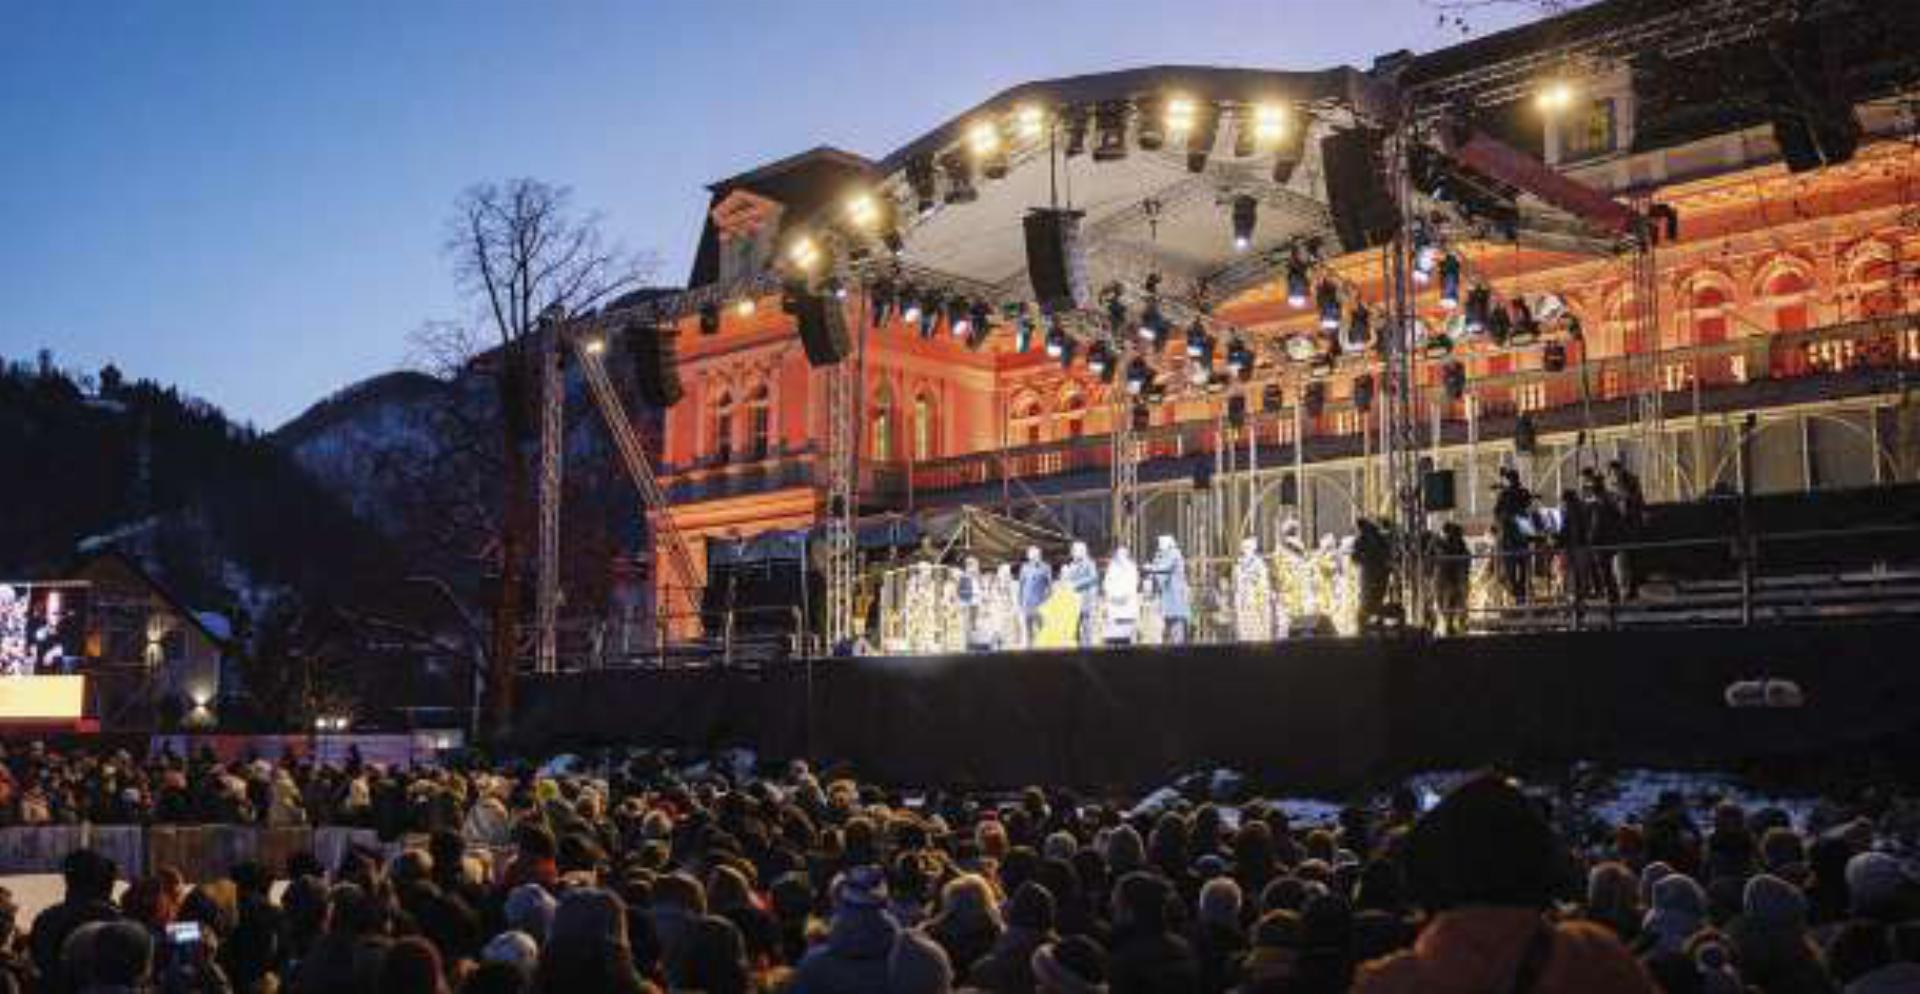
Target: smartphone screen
x=183 y=933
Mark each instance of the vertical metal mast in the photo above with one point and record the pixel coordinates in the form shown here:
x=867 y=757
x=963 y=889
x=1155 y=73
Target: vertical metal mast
x=843 y=440
x=1126 y=473
x=1401 y=441
x=1649 y=404
x=553 y=403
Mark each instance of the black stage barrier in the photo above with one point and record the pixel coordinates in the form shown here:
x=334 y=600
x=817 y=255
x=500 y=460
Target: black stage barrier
x=1324 y=715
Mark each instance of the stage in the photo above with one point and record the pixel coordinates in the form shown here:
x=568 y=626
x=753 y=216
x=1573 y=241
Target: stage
x=1325 y=715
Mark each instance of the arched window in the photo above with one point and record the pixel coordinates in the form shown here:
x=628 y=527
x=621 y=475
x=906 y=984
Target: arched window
x=924 y=440
x=1073 y=415
x=758 y=424
x=723 y=428
x=1788 y=293
x=1708 y=309
x=1026 y=421
x=881 y=417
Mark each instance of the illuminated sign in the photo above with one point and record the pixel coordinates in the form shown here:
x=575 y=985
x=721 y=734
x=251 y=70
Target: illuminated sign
x=42 y=698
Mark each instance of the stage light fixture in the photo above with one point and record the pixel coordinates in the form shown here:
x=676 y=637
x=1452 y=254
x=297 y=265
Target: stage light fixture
x=1139 y=374
x=1437 y=346
x=1297 y=284
x=1449 y=283
x=1269 y=125
x=1479 y=302
x=1499 y=324
x=834 y=288
x=1554 y=97
x=1246 y=217
x=1454 y=376
x=931 y=311
x=1300 y=348
x=1328 y=298
x=1099 y=359
x=989 y=150
x=1196 y=340
x=959 y=172
x=1031 y=121
x=865 y=211
x=1023 y=328
x=1056 y=342
x=1359 y=330
x=959 y=320
x=745 y=307
x=1153 y=325
x=1553 y=357
x=1110 y=132
x=1239 y=358
x=1526 y=330
x=910 y=306
x=1182 y=117
x=920 y=177
x=804 y=253
x=709 y=318
x=880 y=301
x=1426 y=255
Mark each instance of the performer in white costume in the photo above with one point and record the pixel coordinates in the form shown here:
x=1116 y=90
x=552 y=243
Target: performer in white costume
x=1252 y=594
x=1121 y=588
x=1006 y=624
x=971 y=595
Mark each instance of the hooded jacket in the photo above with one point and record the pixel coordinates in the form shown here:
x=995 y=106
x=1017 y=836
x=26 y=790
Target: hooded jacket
x=1472 y=950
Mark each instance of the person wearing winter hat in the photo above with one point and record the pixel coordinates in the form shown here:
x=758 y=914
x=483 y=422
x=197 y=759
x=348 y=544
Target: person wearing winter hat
x=1679 y=910
x=1008 y=967
x=1147 y=957
x=859 y=940
x=512 y=947
x=1486 y=866
x=1770 y=940
x=1076 y=965
x=1880 y=888
x=529 y=909
x=1217 y=938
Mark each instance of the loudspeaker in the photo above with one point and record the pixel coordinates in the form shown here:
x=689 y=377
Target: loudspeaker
x=1056 y=263
x=1436 y=490
x=823 y=326
x=1237 y=411
x=1524 y=435
x=1364 y=216
x=656 y=364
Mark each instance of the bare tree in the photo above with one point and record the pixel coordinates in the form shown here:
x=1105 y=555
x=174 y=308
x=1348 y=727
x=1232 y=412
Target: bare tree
x=1458 y=14
x=521 y=252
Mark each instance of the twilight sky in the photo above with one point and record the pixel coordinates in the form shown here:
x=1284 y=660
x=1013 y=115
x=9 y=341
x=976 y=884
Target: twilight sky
x=249 y=199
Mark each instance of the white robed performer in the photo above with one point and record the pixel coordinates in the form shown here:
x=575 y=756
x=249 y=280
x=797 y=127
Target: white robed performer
x=1293 y=580
x=1082 y=575
x=922 y=610
x=1121 y=589
x=1252 y=594
x=971 y=595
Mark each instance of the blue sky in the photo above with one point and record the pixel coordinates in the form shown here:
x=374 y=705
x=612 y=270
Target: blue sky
x=249 y=199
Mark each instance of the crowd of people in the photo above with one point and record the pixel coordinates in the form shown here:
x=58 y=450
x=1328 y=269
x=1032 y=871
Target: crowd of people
x=640 y=878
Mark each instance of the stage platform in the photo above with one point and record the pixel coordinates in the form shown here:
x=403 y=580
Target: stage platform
x=1325 y=716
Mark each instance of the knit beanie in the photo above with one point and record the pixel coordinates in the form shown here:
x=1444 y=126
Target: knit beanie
x=860 y=887
x=1484 y=844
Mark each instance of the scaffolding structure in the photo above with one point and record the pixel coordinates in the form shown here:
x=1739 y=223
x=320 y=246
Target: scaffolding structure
x=842 y=553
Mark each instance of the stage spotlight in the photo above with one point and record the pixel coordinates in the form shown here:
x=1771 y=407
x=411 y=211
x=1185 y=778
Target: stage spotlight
x=959 y=173
x=1426 y=255
x=1437 y=346
x=863 y=211
x=931 y=310
x=1479 y=303
x=1526 y=330
x=1056 y=342
x=709 y=318
x=1197 y=344
x=1297 y=286
x=920 y=178
x=1321 y=367
x=1139 y=374
x=1363 y=392
x=1556 y=96
x=1454 y=375
x=1246 y=216
x=1328 y=296
x=959 y=320
x=1023 y=328
x=988 y=149
x=1031 y=121
x=745 y=307
x=1449 y=283
x=1110 y=132
x=804 y=253
x=834 y=288
x=1183 y=115
x=1239 y=359
x=1153 y=325
x=1359 y=331
x=880 y=301
x=1269 y=125
x=910 y=306
x=1300 y=348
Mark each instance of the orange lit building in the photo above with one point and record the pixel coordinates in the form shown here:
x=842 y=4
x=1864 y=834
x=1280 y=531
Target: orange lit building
x=1788 y=296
